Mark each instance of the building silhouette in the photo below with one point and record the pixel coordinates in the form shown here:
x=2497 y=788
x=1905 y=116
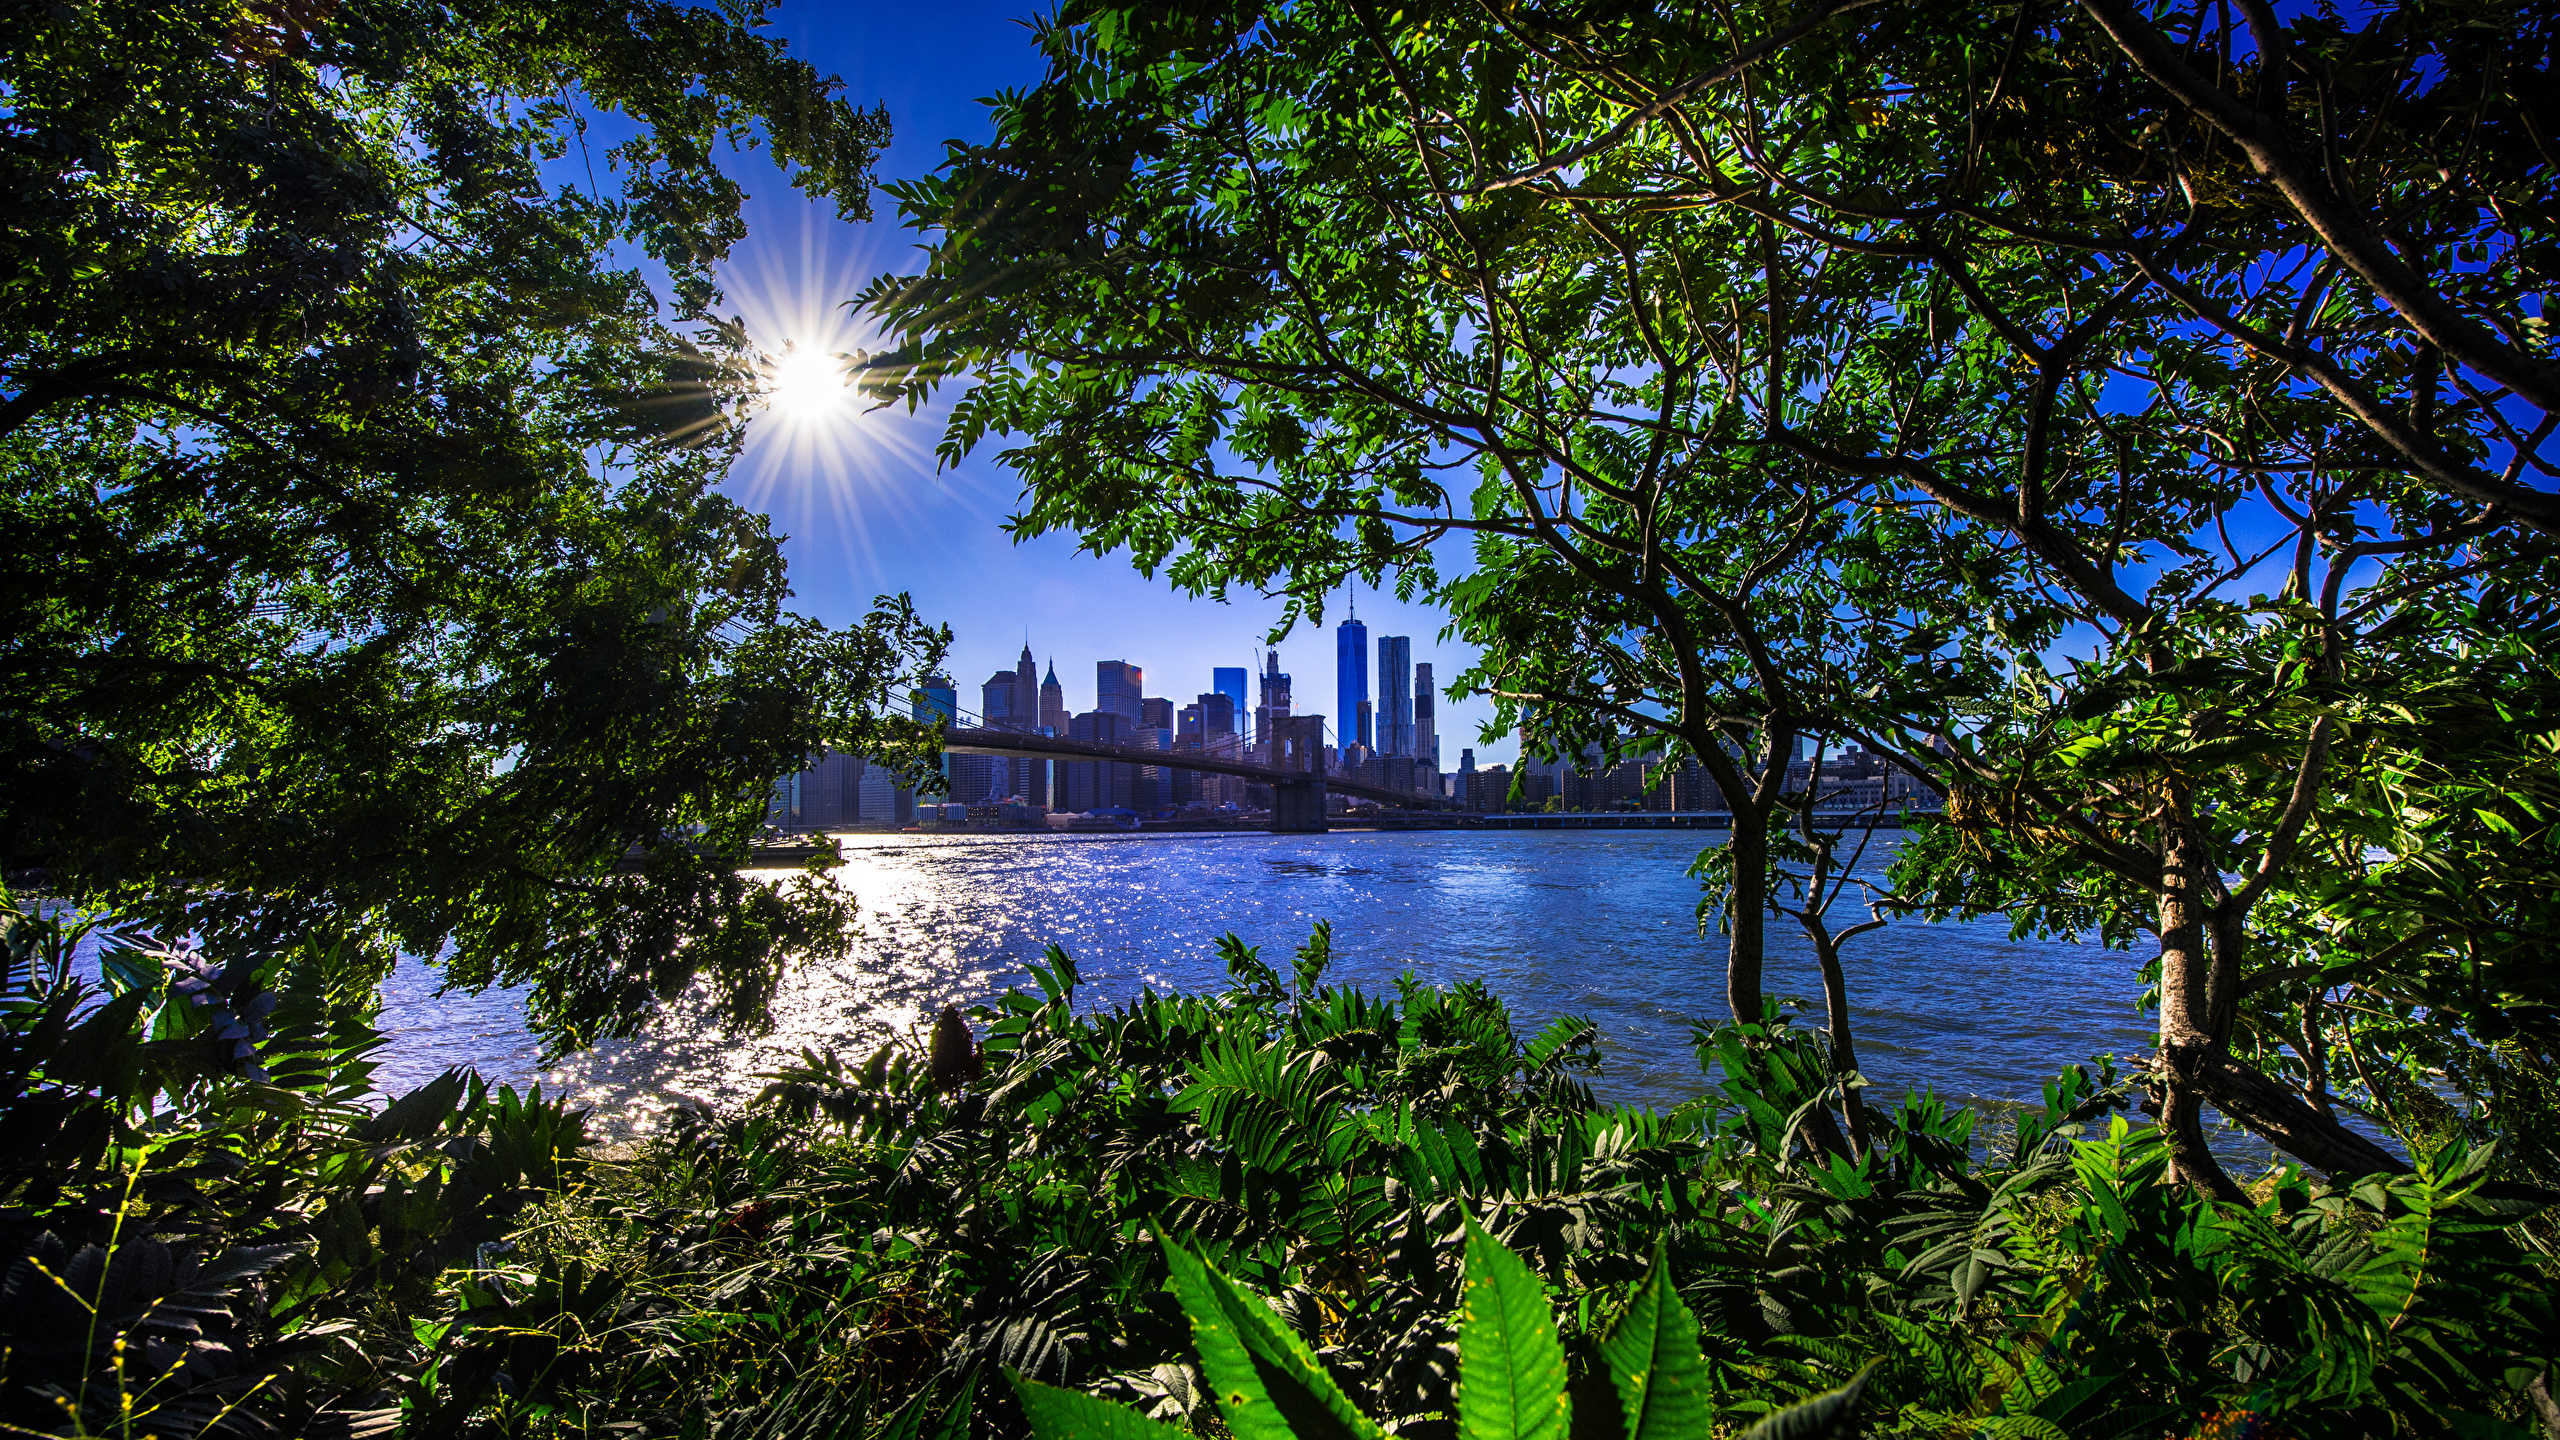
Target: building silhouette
x=1053 y=703
x=1351 y=679
x=1395 y=695
x=838 y=792
x=1207 y=726
x=1273 y=707
x=937 y=702
x=1426 y=732
x=1119 y=688
x=1011 y=701
x=1087 y=785
x=1229 y=680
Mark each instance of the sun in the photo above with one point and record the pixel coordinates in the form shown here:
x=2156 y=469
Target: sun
x=806 y=384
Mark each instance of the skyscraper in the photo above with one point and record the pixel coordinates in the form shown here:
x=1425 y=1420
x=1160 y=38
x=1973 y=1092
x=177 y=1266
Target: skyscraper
x=1120 y=689
x=1012 y=702
x=1274 y=704
x=1053 y=703
x=1211 y=714
x=1395 y=695
x=1228 y=680
x=976 y=778
x=1208 y=726
x=1426 y=732
x=937 y=702
x=1097 y=784
x=1351 y=679
x=998 y=703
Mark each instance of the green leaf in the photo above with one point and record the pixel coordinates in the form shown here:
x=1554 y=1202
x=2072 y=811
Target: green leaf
x=1829 y=1414
x=1057 y=1414
x=908 y=1423
x=2480 y=1427
x=955 y=1416
x=1510 y=1364
x=1268 y=1383
x=1655 y=1362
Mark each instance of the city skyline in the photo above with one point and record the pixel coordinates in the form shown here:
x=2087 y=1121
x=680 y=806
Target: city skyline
x=875 y=512
x=1125 y=685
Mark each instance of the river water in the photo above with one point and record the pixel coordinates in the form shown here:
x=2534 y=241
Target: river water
x=1594 y=923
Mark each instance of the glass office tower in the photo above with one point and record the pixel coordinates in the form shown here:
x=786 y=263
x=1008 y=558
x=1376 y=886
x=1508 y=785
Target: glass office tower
x=1351 y=682
x=1228 y=680
x=1395 y=695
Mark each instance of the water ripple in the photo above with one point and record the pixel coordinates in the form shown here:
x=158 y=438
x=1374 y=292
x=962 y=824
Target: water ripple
x=1592 y=923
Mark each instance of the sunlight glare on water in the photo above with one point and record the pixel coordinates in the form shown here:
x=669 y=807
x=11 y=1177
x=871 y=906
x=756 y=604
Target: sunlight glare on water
x=1596 y=923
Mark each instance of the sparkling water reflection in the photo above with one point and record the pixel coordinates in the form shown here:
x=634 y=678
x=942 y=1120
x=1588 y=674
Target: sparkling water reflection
x=1597 y=923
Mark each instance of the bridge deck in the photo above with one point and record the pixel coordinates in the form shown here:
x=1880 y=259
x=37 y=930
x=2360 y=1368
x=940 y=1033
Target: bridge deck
x=958 y=741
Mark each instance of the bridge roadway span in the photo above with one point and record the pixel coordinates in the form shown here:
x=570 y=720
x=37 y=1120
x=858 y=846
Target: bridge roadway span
x=1310 y=786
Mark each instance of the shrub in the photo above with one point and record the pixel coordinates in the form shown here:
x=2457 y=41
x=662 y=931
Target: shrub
x=213 y=1223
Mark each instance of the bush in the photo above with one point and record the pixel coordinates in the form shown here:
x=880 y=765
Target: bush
x=896 y=1231
x=213 y=1223
x=1343 y=1189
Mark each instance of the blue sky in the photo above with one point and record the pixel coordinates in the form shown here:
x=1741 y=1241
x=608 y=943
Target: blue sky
x=860 y=498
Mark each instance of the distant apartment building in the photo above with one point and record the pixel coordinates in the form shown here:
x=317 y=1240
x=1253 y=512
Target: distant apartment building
x=1486 y=791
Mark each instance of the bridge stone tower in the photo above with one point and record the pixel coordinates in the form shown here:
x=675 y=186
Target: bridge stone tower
x=1297 y=744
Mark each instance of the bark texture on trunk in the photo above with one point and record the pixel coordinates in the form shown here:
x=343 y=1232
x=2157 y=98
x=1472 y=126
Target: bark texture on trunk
x=1750 y=845
x=2270 y=1110
x=2187 y=1040
x=1844 y=1049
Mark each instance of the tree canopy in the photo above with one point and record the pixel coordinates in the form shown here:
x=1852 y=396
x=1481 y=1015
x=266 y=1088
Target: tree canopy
x=2129 y=418
x=372 y=588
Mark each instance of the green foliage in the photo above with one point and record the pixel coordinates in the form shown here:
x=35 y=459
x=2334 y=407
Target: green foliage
x=211 y=1222
x=2039 y=397
x=1285 y=1209
x=373 y=577
x=1654 y=1363
x=1293 y=1209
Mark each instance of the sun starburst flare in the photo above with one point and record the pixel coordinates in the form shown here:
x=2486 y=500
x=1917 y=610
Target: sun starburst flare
x=807 y=384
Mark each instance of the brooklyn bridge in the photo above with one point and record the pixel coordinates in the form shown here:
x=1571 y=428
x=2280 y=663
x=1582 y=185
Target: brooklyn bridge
x=1298 y=783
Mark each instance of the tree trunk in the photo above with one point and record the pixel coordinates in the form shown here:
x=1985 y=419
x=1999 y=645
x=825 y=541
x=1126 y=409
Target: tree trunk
x=2315 y=1057
x=1844 y=1050
x=1750 y=845
x=2305 y=1129
x=2270 y=1110
x=2187 y=1044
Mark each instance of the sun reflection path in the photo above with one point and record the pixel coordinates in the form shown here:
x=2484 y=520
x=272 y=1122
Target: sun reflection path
x=905 y=962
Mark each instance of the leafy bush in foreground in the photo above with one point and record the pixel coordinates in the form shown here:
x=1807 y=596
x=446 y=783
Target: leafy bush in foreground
x=1338 y=1175
x=212 y=1222
x=893 y=1232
